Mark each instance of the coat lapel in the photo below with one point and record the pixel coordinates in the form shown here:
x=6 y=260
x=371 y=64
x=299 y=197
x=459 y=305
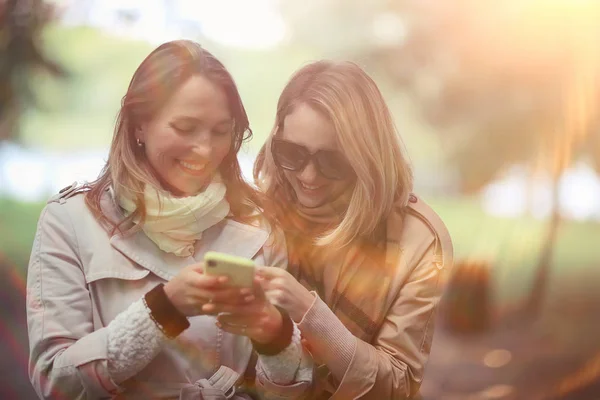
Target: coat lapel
x=144 y=252
x=228 y=236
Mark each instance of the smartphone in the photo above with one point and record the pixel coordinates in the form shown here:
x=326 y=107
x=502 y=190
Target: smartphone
x=240 y=270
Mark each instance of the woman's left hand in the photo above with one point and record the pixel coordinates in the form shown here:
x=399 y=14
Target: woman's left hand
x=283 y=290
x=257 y=318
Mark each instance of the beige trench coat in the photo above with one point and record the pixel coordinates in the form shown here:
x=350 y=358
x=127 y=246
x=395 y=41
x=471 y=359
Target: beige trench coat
x=393 y=364
x=80 y=278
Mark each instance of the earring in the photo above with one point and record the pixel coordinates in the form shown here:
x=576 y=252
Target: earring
x=139 y=142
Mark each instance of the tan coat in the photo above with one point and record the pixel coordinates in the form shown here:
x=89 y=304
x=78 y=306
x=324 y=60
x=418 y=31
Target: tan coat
x=80 y=278
x=392 y=365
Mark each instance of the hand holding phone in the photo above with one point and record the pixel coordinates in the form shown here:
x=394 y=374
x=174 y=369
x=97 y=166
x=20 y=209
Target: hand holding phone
x=255 y=317
x=240 y=270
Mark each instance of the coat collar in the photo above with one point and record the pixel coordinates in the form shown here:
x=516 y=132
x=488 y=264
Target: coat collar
x=228 y=236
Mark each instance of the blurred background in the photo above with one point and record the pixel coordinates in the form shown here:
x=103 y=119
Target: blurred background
x=498 y=103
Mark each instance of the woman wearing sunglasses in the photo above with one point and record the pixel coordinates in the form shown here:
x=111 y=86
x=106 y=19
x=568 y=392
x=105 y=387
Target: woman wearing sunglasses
x=367 y=257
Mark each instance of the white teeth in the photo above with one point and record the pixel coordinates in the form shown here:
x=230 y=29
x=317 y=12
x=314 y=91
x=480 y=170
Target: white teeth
x=194 y=167
x=309 y=187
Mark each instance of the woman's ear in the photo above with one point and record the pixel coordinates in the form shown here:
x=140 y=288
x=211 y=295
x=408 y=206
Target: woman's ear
x=140 y=137
x=140 y=134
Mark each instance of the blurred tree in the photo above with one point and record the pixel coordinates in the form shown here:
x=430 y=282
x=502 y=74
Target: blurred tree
x=512 y=82
x=505 y=82
x=346 y=28
x=21 y=57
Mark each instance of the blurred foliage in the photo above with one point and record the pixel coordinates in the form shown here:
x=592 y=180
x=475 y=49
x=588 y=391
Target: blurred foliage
x=22 y=59
x=335 y=28
x=80 y=112
x=512 y=245
x=505 y=82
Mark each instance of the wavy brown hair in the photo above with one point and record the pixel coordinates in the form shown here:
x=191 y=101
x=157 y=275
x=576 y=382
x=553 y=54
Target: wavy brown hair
x=157 y=78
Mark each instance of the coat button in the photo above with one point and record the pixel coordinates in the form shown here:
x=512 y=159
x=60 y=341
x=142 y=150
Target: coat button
x=412 y=198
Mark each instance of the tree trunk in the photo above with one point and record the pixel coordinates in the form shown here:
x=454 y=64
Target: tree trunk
x=539 y=288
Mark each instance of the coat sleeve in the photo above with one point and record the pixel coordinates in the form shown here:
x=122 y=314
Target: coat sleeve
x=68 y=359
x=392 y=366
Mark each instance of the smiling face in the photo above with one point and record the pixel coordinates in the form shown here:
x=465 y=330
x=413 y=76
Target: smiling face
x=307 y=127
x=186 y=141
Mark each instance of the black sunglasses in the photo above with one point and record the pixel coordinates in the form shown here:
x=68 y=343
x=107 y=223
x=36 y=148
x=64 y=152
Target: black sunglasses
x=294 y=157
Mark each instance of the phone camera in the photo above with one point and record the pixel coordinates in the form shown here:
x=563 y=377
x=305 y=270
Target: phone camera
x=211 y=263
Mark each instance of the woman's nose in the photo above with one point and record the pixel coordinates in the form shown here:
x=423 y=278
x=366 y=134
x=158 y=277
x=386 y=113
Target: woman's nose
x=309 y=174
x=203 y=145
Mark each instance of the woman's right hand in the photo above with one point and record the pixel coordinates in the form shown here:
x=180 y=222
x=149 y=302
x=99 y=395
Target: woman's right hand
x=283 y=290
x=190 y=289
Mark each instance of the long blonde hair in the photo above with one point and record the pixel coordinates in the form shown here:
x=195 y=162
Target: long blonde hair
x=157 y=78
x=350 y=99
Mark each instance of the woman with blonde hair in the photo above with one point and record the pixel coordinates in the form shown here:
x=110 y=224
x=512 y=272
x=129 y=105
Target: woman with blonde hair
x=116 y=289
x=367 y=257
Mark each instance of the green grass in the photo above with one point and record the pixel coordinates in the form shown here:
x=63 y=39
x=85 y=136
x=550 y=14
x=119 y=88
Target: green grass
x=513 y=246
x=18 y=222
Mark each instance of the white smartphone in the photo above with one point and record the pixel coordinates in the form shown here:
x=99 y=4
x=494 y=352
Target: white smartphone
x=240 y=270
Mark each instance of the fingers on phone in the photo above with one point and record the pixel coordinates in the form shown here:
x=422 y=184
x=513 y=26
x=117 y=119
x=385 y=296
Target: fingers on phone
x=229 y=296
x=207 y=281
x=269 y=273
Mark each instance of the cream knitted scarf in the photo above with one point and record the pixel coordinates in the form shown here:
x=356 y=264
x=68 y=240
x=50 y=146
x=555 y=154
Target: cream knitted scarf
x=175 y=223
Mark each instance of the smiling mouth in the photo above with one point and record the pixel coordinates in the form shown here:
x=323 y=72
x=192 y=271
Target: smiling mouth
x=310 y=188
x=192 y=168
